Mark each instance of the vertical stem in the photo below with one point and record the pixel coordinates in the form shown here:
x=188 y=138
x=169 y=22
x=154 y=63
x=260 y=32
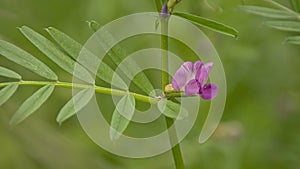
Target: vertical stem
x=164 y=52
x=176 y=151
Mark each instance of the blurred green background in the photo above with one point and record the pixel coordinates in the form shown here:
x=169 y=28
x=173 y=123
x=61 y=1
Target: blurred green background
x=260 y=126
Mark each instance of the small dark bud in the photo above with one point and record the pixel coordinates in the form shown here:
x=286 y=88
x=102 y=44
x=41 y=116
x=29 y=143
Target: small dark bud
x=165 y=11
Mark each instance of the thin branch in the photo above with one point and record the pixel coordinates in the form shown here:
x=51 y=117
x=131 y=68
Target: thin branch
x=97 y=89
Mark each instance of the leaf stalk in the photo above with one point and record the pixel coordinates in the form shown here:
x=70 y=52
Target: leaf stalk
x=98 y=89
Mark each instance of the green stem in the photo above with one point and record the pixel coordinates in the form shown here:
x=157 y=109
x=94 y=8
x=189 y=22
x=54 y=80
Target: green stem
x=176 y=151
x=169 y=95
x=98 y=89
x=164 y=52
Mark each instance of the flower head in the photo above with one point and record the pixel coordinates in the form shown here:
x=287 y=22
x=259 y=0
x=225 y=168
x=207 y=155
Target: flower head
x=192 y=78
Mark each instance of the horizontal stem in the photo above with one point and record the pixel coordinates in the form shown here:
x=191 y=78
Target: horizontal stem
x=97 y=89
x=177 y=93
x=168 y=95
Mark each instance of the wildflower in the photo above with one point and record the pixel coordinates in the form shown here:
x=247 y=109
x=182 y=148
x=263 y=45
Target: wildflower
x=192 y=77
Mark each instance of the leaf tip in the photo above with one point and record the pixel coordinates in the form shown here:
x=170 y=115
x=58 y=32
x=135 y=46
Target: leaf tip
x=60 y=124
x=201 y=140
x=13 y=123
x=49 y=29
x=236 y=36
x=60 y=119
x=114 y=135
x=287 y=41
x=22 y=27
x=46 y=29
x=241 y=7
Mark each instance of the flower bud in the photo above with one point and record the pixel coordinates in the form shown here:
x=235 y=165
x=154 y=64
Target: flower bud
x=165 y=11
x=172 y=3
x=169 y=88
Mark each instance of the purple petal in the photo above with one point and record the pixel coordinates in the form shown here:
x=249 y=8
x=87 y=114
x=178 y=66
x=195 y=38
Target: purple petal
x=188 y=66
x=203 y=73
x=192 y=88
x=181 y=76
x=197 y=66
x=209 y=91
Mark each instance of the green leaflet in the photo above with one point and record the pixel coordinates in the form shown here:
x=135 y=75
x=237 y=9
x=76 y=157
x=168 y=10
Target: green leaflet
x=21 y=57
x=268 y=12
x=295 y=5
x=81 y=99
x=171 y=109
x=7 y=92
x=209 y=24
x=56 y=55
x=158 y=4
x=32 y=104
x=118 y=54
x=292 y=26
x=72 y=47
x=293 y=40
x=90 y=61
x=9 y=73
x=125 y=107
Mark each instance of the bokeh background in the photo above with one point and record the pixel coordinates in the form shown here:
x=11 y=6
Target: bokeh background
x=261 y=122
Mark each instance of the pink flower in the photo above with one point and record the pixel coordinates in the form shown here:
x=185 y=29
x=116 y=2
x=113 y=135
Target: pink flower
x=191 y=78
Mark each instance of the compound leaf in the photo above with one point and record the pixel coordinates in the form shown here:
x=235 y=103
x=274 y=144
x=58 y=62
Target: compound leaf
x=118 y=54
x=90 y=61
x=55 y=54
